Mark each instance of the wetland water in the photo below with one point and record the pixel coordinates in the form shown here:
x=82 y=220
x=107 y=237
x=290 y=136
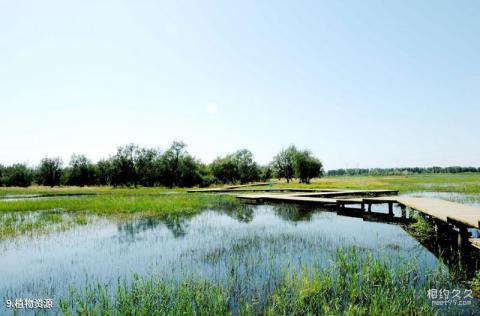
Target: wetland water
x=249 y=247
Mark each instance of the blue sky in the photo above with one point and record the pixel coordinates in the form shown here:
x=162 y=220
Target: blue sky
x=360 y=83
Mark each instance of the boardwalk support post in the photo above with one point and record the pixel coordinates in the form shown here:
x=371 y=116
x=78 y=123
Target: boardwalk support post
x=462 y=235
x=390 y=208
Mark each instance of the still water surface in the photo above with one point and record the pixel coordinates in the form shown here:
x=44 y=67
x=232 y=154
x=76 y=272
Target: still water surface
x=254 y=244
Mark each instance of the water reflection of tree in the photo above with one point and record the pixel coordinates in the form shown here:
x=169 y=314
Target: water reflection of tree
x=177 y=224
x=241 y=212
x=293 y=213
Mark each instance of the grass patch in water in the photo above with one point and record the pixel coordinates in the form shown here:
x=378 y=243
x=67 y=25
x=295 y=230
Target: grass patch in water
x=421 y=228
x=61 y=213
x=18 y=223
x=351 y=285
x=106 y=204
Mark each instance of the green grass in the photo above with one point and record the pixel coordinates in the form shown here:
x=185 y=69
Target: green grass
x=474 y=284
x=54 y=214
x=20 y=223
x=71 y=190
x=420 y=228
x=181 y=203
x=459 y=182
x=351 y=285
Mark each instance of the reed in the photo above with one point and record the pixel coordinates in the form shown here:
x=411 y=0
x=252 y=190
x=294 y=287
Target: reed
x=352 y=284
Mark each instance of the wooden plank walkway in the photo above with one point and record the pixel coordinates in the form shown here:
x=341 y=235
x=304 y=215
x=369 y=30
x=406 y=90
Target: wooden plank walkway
x=347 y=192
x=287 y=198
x=305 y=190
x=229 y=188
x=475 y=242
x=459 y=215
x=446 y=211
x=301 y=192
x=267 y=189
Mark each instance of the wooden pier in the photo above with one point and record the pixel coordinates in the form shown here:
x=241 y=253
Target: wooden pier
x=243 y=188
x=441 y=213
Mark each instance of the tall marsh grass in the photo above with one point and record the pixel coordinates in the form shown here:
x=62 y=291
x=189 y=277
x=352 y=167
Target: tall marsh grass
x=351 y=285
x=181 y=203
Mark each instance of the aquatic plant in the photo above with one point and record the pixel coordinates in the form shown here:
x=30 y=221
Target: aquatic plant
x=421 y=228
x=107 y=204
x=351 y=285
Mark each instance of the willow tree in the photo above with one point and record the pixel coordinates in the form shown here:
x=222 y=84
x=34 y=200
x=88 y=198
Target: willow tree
x=284 y=163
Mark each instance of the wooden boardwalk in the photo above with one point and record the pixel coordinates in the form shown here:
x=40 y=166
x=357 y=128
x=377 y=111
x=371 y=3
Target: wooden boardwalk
x=445 y=211
x=287 y=198
x=237 y=189
x=300 y=191
x=347 y=192
x=456 y=214
x=320 y=197
x=440 y=212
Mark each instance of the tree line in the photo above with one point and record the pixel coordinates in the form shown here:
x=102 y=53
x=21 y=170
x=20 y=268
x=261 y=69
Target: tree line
x=133 y=165
x=399 y=171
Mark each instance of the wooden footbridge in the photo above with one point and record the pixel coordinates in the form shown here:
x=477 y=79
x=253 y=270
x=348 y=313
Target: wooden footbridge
x=440 y=212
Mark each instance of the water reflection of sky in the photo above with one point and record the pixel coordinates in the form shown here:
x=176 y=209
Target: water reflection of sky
x=256 y=243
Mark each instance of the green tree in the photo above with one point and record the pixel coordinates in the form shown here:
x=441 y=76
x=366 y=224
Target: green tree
x=190 y=172
x=179 y=168
x=247 y=168
x=284 y=163
x=225 y=170
x=147 y=166
x=104 y=172
x=170 y=163
x=18 y=175
x=307 y=166
x=236 y=167
x=50 y=172
x=81 y=171
x=123 y=166
x=2 y=171
x=266 y=173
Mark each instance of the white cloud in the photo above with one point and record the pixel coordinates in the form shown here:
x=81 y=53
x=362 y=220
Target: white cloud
x=212 y=108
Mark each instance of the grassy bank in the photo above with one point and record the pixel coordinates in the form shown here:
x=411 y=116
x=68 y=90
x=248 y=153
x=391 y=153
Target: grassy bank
x=351 y=285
